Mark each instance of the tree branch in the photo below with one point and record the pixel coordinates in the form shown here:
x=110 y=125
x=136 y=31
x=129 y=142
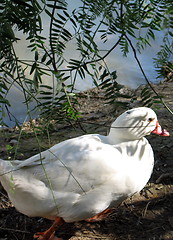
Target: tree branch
x=146 y=79
x=50 y=35
x=100 y=58
x=110 y=50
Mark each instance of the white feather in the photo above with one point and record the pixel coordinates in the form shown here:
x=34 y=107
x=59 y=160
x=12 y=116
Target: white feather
x=81 y=177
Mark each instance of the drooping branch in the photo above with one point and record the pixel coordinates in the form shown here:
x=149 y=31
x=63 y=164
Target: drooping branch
x=143 y=73
x=108 y=52
x=99 y=59
x=50 y=35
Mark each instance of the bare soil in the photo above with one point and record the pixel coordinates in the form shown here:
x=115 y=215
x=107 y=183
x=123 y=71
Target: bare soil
x=147 y=215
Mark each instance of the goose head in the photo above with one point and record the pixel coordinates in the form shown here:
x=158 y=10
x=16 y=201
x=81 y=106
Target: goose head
x=134 y=124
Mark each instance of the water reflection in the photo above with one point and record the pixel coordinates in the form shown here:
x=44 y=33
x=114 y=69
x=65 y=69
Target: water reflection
x=128 y=71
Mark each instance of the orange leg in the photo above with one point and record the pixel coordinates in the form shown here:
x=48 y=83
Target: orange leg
x=49 y=234
x=99 y=217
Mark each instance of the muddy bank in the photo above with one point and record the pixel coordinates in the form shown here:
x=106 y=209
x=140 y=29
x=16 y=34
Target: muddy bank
x=147 y=215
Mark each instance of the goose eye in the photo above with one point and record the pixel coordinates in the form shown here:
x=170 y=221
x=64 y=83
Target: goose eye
x=150 y=119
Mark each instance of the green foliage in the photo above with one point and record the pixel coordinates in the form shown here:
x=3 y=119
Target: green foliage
x=112 y=90
x=58 y=106
x=164 y=55
x=88 y=29
x=167 y=71
x=148 y=98
x=9 y=149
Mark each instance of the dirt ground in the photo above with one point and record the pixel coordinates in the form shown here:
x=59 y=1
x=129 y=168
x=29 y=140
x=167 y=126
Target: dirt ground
x=147 y=215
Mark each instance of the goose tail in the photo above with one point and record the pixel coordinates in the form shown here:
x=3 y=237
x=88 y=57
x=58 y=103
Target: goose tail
x=2 y=166
x=5 y=167
x=5 y=177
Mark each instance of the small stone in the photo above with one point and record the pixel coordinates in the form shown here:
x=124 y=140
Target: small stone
x=13 y=142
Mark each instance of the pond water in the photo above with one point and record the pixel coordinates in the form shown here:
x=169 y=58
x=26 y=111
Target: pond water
x=128 y=72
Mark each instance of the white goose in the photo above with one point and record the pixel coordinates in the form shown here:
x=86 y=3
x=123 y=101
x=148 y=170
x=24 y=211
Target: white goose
x=82 y=178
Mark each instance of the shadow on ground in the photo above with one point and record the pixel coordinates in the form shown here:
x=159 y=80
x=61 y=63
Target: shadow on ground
x=148 y=219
